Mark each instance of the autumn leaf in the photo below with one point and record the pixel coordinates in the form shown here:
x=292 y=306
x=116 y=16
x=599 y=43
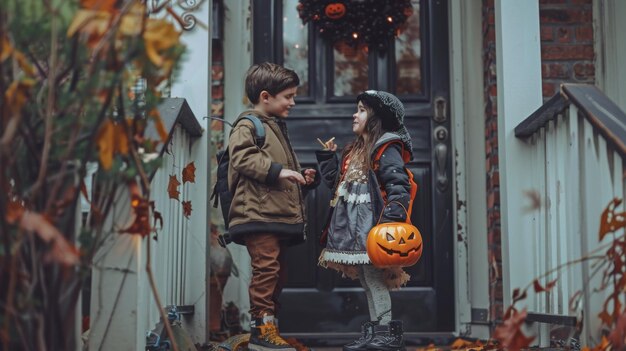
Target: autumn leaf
x=17 y=95
x=132 y=22
x=101 y=5
x=5 y=48
x=23 y=63
x=539 y=288
x=461 y=344
x=187 y=208
x=172 y=187
x=91 y=23
x=14 y=211
x=611 y=221
x=510 y=334
x=111 y=139
x=141 y=208
x=160 y=35
x=61 y=251
x=189 y=173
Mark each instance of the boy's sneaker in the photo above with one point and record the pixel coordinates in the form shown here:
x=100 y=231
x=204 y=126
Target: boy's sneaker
x=264 y=336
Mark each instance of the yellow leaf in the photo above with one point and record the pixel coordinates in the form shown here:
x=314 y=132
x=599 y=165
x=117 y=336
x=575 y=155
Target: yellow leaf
x=23 y=63
x=105 y=144
x=132 y=22
x=121 y=141
x=17 y=95
x=90 y=22
x=160 y=35
x=5 y=49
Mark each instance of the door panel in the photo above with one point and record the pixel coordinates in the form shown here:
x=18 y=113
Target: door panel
x=317 y=303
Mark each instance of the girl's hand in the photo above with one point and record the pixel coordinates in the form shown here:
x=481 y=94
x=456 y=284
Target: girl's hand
x=330 y=145
x=292 y=176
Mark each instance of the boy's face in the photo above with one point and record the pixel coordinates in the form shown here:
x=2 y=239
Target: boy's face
x=280 y=104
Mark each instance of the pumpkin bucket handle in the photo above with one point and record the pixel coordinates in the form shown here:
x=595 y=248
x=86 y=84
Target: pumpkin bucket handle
x=408 y=219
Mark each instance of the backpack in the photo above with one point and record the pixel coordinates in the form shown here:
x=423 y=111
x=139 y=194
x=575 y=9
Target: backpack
x=221 y=190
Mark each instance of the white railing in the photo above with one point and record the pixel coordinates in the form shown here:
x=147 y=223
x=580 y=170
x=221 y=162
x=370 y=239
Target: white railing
x=123 y=307
x=578 y=169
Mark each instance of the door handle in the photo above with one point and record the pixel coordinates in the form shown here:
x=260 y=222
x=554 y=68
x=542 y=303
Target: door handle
x=441 y=153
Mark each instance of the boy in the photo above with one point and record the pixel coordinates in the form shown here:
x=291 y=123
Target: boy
x=267 y=212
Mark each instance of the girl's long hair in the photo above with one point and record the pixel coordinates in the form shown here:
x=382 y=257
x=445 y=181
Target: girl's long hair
x=362 y=148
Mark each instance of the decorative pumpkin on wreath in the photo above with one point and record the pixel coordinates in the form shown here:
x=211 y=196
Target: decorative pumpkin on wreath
x=394 y=244
x=357 y=22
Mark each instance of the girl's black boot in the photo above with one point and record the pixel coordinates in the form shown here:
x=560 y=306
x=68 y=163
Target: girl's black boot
x=367 y=334
x=388 y=337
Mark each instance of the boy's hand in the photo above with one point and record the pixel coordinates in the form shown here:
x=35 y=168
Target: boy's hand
x=292 y=176
x=309 y=175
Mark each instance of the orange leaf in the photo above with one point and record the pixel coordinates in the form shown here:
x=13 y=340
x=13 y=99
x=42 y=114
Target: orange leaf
x=91 y=23
x=460 y=344
x=102 y=5
x=23 y=63
x=159 y=36
x=141 y=207
x=62 y=251
x=15 y=211
x=172 y=187
x=17 y=95
x=611 y=221
x=187 y=208
x=104 y=140
x=189 y=173
x=539 y=288
x=510 y=334
x=5 y=49
x=111 y=139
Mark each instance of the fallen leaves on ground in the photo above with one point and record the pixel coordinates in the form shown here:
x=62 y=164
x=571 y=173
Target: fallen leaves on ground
x=510 y=333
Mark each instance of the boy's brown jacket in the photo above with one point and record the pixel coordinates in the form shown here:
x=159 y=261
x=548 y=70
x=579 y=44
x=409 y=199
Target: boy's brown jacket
x=261 y=202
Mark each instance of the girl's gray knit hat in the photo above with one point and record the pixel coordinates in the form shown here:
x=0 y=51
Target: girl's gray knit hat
x=390 y=110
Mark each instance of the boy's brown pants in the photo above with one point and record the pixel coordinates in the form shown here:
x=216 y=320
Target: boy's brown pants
x=269 y=273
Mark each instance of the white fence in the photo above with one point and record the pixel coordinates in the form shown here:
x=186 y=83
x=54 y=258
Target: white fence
x=578 y=169
x=123 y=308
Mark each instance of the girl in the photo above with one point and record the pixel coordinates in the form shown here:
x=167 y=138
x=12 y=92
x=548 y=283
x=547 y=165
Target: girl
x=369 y=183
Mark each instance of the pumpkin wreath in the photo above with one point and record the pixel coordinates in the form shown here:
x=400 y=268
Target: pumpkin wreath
x=357 y=22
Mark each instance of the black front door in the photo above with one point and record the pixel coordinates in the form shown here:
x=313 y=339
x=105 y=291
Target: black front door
x=317 y=303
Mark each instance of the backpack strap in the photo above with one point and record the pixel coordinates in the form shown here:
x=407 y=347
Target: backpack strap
x=405 y=157
x=259 y=129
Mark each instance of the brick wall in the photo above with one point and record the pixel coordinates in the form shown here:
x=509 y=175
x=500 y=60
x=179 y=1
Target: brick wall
x=567 y=55
x=567 y=52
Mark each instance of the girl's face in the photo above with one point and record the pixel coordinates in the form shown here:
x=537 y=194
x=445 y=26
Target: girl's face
x=359 y=119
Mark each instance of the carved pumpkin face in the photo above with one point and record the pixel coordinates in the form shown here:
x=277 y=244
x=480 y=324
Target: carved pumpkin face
x=394 y=244
x=335 y=10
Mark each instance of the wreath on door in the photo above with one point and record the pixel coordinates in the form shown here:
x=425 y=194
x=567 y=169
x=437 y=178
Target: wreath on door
x=357 y=22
